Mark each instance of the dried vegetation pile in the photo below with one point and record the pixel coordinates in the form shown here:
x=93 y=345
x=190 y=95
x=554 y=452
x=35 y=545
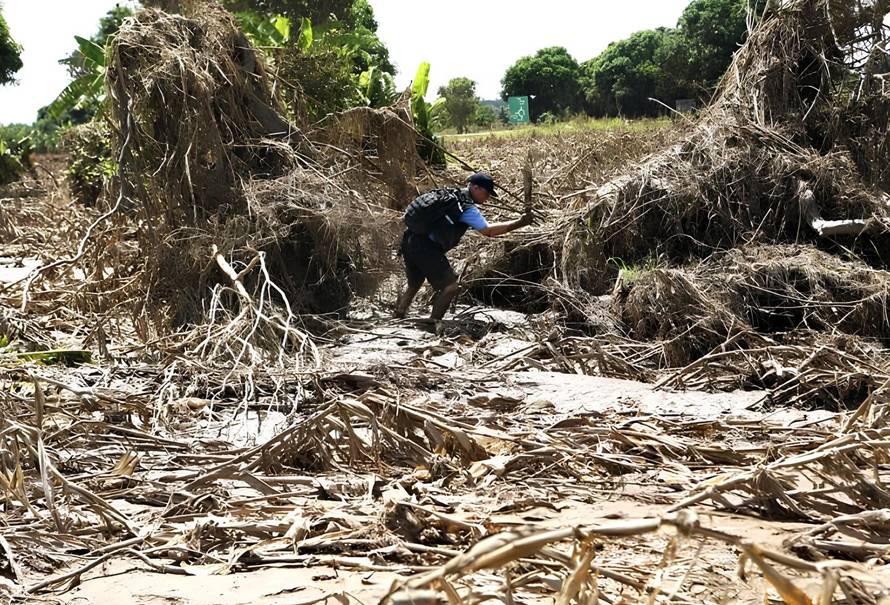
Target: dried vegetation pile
x=761 y=228
x=485 y=495
x=194 y=108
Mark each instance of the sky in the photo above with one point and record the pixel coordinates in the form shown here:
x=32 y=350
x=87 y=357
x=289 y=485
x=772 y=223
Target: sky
x=478 y=39
x=45 y=29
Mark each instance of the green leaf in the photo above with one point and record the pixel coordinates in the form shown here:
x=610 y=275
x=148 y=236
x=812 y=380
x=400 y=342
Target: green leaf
x=67 y=99
x=282 y=26
x=79 y=92
x=305 y=37
x=421 y=81
x=91 y=50
x=365 y=78
x=352 y=40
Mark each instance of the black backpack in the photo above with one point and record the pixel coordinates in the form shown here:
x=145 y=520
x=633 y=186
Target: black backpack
x=426 y=213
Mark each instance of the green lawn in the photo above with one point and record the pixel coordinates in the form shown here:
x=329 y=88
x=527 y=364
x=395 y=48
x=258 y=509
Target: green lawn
x=575 y=125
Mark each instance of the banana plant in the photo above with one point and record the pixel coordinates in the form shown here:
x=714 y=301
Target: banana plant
x=428 y=146
x=275 y=32
x=15 y=158
x=377 y=87
x=87 y=89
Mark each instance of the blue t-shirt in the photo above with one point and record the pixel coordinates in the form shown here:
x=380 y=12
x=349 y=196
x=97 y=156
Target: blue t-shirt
x=471 y=217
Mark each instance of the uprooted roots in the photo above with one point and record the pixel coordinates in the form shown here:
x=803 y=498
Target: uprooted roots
x=194 y=108
x=750 y=296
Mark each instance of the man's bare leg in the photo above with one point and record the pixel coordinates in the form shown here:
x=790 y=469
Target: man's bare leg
x=443 y=301
x=405 y=301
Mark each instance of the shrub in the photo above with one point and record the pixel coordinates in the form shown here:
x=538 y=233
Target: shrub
x=90 y=161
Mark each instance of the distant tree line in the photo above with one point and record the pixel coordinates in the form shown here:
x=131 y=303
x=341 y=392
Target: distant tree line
x=667 y=64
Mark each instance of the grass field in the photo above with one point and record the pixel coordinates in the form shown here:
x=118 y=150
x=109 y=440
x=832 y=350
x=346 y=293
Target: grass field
x=575 y=125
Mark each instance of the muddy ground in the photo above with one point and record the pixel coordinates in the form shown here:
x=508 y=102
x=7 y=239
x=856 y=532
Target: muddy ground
x=136 y=477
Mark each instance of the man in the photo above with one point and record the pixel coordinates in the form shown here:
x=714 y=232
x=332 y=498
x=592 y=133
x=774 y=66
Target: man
x=449 y=213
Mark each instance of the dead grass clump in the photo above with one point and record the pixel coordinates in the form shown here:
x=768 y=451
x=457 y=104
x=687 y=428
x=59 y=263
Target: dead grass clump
x=750 y=297
x=385 y=142
x=786 y=288
x=320 y=248
x=669 y=307
x=193 y=110
x=219 y=179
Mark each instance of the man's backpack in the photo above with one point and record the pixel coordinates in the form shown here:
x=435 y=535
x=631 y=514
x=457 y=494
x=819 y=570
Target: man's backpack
x=426 y=213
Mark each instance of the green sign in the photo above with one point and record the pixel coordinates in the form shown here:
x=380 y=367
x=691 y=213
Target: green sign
x=518 y=108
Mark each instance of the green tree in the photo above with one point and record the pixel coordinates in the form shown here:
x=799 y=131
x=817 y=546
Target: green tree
x=335 y=64
x=364 y=49
x=667 y=64
x=362 y=15
x=347 y=22
x=320 y=12
x=712 y=30
x=551 y=76
x=622 y=79
x=485 y=116
x=323 y=79
x=358 y=28
x=10 y=54
x=332 y=70
x=461 y=102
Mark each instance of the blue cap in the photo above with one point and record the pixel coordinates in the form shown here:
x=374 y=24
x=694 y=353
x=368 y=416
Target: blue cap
x=484 y=180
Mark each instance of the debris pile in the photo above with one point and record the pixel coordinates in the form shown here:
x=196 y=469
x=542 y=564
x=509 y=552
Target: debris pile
x=765 y=224
x=194 y=108
x=207 y=430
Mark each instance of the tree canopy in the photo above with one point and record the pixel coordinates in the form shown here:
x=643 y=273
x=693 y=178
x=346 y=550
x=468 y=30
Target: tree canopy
x=336 y=61
x=348 y=28
x=317 y=11
x=551 y=76
x=623 y=78
x=667 y=64
x=461 y=102
x=711 y=31
x=10 y=54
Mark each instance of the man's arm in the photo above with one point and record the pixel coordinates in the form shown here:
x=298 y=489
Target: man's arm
x=503 y=228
